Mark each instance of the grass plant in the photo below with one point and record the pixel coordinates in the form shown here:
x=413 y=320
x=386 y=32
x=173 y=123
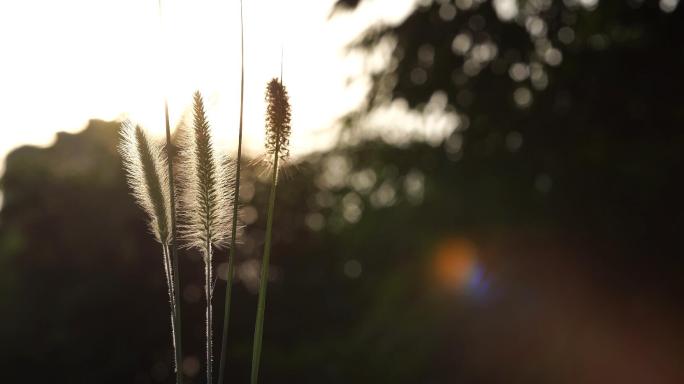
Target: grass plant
x=205 y=200
x=150 y=175
x=277 y=142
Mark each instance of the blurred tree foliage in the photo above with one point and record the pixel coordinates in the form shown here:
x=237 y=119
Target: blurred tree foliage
x=581 y=99
x=538 y=243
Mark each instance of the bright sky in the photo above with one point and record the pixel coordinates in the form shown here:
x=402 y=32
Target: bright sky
x=65 y=62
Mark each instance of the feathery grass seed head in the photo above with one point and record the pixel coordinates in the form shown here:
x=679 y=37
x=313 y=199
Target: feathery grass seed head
x=147 y=174
x=206 y=198
x=277 y=119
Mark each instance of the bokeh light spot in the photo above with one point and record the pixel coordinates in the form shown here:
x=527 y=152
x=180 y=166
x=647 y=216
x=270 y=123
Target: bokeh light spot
x=447 y=12
x=522 y=97
x=668 y=5
x=461 y=43
x=191 y=366
x=519 y=72
x=418 y=76
x=455 y=263
x=249 y=214
x=315 y=221
x=514 y=141
x=506 y=9
x=566 y=35
x=553 y=56
x=353 y=269
x=464 y=4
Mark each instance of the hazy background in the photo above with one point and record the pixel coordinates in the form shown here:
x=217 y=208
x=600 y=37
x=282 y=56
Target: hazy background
x=482 y=192
x=69 y=61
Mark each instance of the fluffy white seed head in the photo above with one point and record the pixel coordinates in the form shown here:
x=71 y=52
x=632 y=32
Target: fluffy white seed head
x=145 y=164
x=204 y=182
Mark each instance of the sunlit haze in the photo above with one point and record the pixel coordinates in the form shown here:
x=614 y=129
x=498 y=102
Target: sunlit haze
x=70 y=61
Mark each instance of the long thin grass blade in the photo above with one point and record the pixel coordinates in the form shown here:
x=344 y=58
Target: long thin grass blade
x=231 y=258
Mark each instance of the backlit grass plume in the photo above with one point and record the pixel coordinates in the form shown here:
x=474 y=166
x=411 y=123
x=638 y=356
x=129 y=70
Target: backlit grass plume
x=205 y=202
x=145 y=166
x=277 y=141
x=146 y=169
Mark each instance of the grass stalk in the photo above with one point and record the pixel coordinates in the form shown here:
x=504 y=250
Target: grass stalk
x=174 y=270
x=209 y=323
x=263 y=282
x=231 y=257
x=169 y=285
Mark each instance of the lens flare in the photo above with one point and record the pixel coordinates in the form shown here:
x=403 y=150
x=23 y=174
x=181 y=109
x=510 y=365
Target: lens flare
x=455 y=267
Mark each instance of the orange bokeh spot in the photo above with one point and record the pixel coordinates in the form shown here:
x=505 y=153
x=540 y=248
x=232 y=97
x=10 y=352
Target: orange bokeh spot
x=454 y=263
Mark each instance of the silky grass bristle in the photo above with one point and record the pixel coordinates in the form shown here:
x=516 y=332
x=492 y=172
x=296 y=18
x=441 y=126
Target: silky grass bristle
x=145 y=166
x=277 y=119
x=204 y=182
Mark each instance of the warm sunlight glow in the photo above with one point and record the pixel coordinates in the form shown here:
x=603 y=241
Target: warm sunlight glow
x=68 y=61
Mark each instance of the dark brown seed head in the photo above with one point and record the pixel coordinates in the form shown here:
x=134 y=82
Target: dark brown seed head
x=277 y=119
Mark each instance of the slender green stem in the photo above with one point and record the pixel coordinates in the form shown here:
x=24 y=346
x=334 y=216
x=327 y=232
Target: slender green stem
x=263 y=283
x=209 y=322
x=174 y=269
x=231 y=258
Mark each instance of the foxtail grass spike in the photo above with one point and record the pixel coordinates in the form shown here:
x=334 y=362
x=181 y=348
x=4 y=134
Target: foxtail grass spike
x=278 y=118
x=145 y=167
x=236 y=193
x=205 y=194
x=277 y=141
x=204 y=204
